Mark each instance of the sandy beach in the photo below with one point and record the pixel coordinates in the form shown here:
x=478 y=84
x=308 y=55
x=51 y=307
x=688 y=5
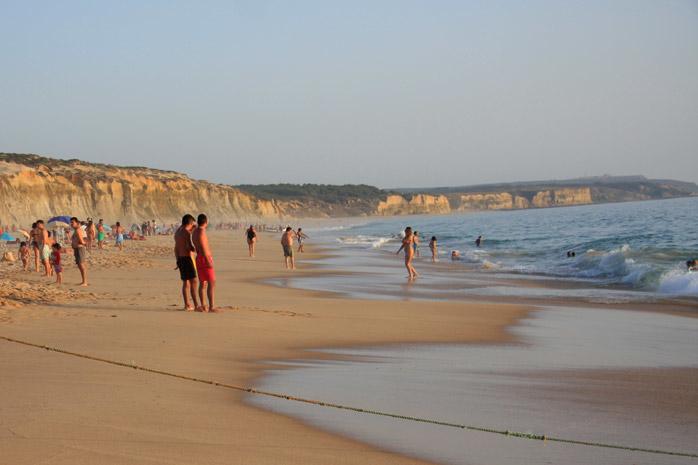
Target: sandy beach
x=61 y=409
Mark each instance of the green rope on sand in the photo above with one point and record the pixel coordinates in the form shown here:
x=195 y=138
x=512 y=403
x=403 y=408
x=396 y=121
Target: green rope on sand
x=516 y=434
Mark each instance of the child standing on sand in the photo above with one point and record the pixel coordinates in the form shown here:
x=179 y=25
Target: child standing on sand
x=56 y=263
x=24 y=255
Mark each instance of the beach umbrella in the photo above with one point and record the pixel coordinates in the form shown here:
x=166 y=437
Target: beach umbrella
x=63 y=219
x=135 y=227
x=106 y=227
x=24 y=233
x=6 y=237
x=57 y=224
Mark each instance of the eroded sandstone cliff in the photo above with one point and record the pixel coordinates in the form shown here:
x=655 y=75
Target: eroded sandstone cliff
x=37 y=188
x=34 y=187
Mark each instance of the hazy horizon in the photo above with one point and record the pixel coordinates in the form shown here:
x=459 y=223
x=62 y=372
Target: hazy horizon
x=392 y=94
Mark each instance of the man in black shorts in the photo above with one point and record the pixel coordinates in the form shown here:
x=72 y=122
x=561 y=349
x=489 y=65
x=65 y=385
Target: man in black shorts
x=185 y=262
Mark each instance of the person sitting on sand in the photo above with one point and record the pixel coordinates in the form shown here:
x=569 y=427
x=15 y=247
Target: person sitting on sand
x=301 y=236
x=78 y=244
x=251 y=235
x=287 y=246
x=183 y=251
x=433 y=246
x=24 y=255
x=56 y=263
x=407 y=246
x=204 y=264
x=119 y=235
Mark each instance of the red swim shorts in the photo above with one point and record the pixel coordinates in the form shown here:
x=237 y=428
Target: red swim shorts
x=205 y=272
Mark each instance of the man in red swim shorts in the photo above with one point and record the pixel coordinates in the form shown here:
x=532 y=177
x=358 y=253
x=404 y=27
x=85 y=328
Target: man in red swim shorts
x=204 y=264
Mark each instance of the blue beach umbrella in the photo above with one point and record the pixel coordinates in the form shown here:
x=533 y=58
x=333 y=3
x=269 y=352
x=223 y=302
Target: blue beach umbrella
x=60 y=219
x=6 y=237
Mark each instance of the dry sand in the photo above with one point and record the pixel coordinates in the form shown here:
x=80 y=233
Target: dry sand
x=60 y=409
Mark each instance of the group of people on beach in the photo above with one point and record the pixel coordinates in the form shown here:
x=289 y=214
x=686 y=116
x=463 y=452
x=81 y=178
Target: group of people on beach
x=48 y=251
x=194 y=259
x=410 y=245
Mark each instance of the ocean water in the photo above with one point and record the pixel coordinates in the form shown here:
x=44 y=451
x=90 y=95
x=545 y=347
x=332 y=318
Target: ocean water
x=622 y=248
x=593 y=374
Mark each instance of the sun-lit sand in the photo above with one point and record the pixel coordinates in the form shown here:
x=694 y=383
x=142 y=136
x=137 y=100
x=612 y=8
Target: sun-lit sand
x=61 y=409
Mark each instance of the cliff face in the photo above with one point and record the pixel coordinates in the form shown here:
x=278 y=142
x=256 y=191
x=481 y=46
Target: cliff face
x=33 y=187
x=418 y=204
x=28 y=192
x=512 y=200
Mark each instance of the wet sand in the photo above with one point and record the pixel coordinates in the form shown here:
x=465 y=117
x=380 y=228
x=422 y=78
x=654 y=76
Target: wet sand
x=610 y=376
x=64 y=410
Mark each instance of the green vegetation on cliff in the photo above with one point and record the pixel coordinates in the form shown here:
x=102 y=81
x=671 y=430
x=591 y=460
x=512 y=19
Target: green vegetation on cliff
x=325 y=192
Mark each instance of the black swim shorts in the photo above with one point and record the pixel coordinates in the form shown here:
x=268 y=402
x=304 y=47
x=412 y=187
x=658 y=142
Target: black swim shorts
x=187 y=270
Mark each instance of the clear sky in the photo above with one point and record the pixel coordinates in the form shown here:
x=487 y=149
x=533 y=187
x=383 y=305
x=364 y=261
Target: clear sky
x=391 y=93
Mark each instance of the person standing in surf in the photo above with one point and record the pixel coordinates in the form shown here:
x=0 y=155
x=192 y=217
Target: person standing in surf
x=301 y=237
x=287 y=246
x=434 y=247
x=408 y=247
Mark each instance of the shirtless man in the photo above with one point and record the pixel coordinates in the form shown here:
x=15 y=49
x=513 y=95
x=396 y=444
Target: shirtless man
x=251 y=235
x=183 y=251
x=78 y=242
x=42 y=242
x=408 y=247
x=287 y=245
x=204 y=264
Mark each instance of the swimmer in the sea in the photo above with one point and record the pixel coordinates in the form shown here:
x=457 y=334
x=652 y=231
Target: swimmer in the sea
x=478 y=241
x=455 y=255
x=692 y=265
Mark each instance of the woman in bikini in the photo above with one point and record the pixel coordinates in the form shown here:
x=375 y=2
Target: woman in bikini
x=408 y=247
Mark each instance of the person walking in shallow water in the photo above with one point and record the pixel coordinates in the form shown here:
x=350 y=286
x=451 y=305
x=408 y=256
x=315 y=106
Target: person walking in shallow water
x=407 y=246
x=433 y=246
x=301 y=237
x=287 y=246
